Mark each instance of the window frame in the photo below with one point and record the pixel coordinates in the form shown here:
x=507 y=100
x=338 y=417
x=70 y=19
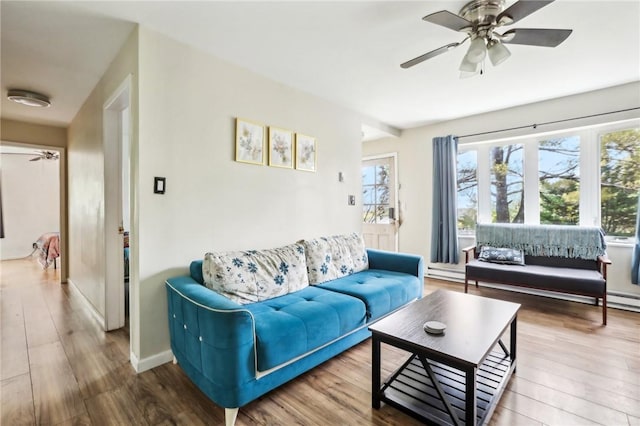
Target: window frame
x=590 y=136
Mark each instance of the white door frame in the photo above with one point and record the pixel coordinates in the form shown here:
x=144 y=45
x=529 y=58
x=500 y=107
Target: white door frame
x=113 y=108
x=396 y=187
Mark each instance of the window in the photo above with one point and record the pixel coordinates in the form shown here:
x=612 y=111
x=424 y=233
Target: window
x=588 y=177
x=507 y=184
x=467 y=191
x=559 y=174
x=619 y=181
x=375 y=194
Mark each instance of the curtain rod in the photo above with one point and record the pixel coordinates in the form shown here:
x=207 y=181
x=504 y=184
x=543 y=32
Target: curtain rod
x=535 y=125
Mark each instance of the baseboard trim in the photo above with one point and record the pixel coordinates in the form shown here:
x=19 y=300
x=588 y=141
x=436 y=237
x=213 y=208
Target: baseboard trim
x=144 y=364
x=94 y=312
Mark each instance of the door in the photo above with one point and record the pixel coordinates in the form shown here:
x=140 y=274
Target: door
x=380 y=202
x=116 y=124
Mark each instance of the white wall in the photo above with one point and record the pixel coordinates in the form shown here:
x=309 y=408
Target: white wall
x=188 y=104
x=30 y=203
x=414 y=149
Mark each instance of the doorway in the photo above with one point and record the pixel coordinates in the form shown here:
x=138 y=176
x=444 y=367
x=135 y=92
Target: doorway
x=380 y=214
x=33 y=206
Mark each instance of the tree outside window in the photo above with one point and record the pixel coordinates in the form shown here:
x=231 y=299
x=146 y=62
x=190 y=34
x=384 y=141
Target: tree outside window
x=507 y=184
x=467 y=179
x=619 y=181
x=375 y=194
x=559 y=174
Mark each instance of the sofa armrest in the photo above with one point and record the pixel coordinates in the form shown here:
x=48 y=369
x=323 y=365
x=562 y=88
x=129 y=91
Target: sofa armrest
x=399 y=262
x=471 y=250
x=213 y=334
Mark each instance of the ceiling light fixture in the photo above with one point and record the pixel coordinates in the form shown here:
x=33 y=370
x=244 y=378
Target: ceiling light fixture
x=498 y=52
x=477 y=51
x=28 y=98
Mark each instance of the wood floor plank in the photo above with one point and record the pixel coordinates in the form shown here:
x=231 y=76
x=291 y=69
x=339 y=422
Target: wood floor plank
x=16 y=404
x=55 y=391
x=505 y=417
x=14 y=358
x=619 y=387
x=588 y=391
x=567 y=402
x=185 y=393
x=587 y=362
x=39 y=325
x=98 y=365
x=540 y=411
x=115 y=407
x=83 y=420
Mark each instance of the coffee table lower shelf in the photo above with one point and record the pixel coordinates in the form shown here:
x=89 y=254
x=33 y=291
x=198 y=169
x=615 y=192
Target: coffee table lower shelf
x=411 y=390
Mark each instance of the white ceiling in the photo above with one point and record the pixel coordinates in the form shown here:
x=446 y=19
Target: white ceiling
x=348 y=52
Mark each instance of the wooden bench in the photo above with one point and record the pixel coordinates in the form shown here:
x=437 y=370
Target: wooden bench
x=564 y=259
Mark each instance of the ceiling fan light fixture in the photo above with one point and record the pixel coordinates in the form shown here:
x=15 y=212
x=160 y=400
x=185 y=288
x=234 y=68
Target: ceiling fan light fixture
x=467 y=66
x=28 y=98
x=477 y=51
x=498 y=52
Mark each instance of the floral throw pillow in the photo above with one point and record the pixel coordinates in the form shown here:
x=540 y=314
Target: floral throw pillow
x=255 y=275
x=329 y=258
x=506 y=256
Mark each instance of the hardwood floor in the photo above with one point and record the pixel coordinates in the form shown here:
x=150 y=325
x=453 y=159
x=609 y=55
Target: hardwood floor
x=58 y=367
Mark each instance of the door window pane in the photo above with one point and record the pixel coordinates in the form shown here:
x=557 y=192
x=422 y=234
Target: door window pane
x=507 y=184
x=559 y=174
x=467 y=191
x=375 y=194
x=619 y=181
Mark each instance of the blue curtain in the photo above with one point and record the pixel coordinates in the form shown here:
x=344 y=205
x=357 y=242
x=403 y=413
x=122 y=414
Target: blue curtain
x=635 y=261
x=444 y=227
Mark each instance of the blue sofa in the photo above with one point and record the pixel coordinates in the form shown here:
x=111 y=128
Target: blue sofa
x=237 y=352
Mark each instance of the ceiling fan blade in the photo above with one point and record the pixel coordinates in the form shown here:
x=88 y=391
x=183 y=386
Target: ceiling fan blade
x=521 y=9
x=429 y=55
x=36 y=159
x=449 y=20
x=536 y=36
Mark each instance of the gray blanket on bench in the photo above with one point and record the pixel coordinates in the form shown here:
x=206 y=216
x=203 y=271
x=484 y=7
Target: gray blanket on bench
x=582 y=242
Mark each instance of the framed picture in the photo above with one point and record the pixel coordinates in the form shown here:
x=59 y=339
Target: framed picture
x=250 y=142
x=280 y=147
x=305 y=153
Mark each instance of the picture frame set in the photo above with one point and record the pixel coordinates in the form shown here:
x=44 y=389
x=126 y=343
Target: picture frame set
x=280 y=147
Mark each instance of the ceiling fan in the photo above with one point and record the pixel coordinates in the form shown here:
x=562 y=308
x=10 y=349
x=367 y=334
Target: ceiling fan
x=40 y=155
x=480 y=19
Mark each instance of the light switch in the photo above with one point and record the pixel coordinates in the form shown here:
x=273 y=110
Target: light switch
x=159 y=184
x=352 y=200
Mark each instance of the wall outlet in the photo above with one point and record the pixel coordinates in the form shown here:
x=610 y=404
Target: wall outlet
x=352 y=200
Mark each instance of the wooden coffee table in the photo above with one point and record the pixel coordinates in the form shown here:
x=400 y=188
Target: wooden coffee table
x=453 y=378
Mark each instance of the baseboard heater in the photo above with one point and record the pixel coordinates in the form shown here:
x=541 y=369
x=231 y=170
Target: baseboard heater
x=445 y=274
x=618 y=300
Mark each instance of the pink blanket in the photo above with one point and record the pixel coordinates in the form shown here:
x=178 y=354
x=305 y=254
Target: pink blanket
x=49 y=245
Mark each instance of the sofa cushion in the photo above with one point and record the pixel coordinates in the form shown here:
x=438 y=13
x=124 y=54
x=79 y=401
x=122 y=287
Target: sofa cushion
x=381 y=291
x=507 y=256
x=294 y=324
x=256 y=275
x=570 y=280
x=329 y=258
